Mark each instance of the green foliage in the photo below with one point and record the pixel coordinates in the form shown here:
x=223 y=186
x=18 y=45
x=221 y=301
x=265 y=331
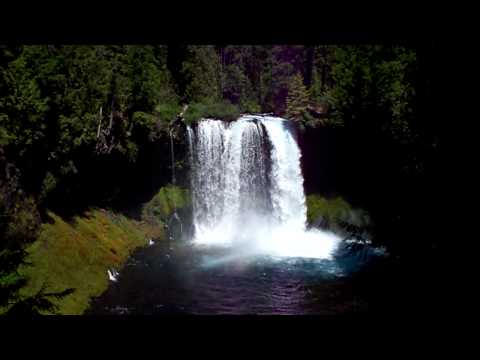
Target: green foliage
x=19 y=226
x=55 y=99
x=201 y=72
x=235 y=83
x=310 y=121
x=169 y=198
x=10 y=282
x=161 y=119
x=25 y=221
x=284 y=62
x=297 y=99
x=49 y=184
x=167 y=112
x=214 y=110
x=143 y=119
x=257 y=77
x=4 y=135
x=376 y=79
x=19 y=215
x=323 y=62
x=39 y=303
x=237 y=80
x=54 y=102
x=151 y=81
x=250 y=106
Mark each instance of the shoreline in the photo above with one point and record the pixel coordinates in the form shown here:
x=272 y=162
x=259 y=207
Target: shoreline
x=79 y=254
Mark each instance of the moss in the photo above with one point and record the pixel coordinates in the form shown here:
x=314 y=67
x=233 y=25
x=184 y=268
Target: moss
x=335 y=210
x=78 y=254
x=331 y=209
x=162 y=205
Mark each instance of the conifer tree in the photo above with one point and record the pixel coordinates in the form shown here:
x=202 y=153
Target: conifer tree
x=297 y=98
x=201 y=71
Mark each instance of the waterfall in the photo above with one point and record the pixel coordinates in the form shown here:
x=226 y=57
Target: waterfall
x=247 y=188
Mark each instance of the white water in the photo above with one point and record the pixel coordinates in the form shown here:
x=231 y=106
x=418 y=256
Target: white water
x=247 y=189
x=112 y=275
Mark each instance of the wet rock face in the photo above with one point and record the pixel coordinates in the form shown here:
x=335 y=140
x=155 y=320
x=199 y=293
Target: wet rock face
x=321 y=222
x=180 y=224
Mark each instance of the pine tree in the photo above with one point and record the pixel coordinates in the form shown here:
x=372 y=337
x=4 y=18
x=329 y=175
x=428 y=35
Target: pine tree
x=297 y=98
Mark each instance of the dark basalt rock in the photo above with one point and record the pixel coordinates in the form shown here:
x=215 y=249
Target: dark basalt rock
x=321 y=223
x=179 y=226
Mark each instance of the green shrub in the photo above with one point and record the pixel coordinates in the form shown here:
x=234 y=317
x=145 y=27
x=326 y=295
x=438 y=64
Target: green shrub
x=194 y=113
x=24 y=221
x=217 y=110
x=156 y=125
x=167 y=112
x=250 y=106
x=143 y=119
x=48 y=185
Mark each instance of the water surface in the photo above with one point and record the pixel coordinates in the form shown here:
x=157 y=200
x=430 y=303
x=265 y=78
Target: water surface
x=188 y=279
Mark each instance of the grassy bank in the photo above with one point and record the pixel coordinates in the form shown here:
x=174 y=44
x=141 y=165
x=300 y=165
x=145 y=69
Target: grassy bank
x=77 y=255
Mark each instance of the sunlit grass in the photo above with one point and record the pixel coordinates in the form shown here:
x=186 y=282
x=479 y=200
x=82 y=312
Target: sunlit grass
x=78 y=254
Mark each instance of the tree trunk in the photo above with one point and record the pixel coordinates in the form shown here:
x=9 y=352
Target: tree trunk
x=324 y=67
x=111 y=117
x=99 y=123
x=309 y=66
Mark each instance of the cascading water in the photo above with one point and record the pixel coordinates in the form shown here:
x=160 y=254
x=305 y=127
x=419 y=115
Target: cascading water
x=247 y=188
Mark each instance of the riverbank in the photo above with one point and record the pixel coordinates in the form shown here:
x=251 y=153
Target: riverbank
x=78 y=253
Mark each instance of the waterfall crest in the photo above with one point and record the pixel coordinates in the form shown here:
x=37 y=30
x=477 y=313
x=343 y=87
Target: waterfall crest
x=247 y=188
